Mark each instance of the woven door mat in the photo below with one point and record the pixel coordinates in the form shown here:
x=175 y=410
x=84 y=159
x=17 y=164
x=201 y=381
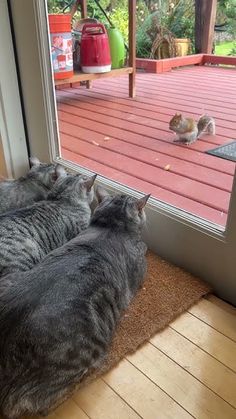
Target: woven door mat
x=167 y=292
x=227 y=151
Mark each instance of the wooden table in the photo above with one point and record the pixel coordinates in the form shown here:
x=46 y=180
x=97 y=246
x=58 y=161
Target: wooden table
x=130 y=70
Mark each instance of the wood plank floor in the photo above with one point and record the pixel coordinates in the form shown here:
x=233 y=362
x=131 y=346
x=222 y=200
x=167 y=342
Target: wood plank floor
x=188 y=370
x=128 y=140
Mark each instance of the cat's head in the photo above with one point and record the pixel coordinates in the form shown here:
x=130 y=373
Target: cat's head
x=175 y=122
x=74 y=189
x=45 y=173
x=119 y=211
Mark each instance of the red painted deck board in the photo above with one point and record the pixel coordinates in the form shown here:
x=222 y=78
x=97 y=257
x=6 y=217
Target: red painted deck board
x=151 y=91
x=183 y=152
x=192 y=170
x=135 y=123
x=169 y=102
x=139 y=144
x=106 y=90
x=182 y=185
x=137 y=128
x=163 y=195
x=120 y=109
x=137 y=104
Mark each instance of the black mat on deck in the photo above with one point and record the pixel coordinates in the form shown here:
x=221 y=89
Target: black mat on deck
x=227 y=151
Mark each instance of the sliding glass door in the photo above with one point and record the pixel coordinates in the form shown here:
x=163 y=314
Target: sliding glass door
x=188 y=240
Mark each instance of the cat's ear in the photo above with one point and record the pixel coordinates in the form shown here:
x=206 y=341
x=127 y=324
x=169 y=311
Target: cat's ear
x=101 y=194
x=89 y=182
x=60 y=172
x=141 y=202
x=34 y=162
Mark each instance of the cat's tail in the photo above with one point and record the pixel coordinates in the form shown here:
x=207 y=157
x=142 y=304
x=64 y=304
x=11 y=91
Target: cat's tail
x=206 y=124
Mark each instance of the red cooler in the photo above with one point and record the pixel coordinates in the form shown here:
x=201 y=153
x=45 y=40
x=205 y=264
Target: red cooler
x=61 y=45
x=95 y=51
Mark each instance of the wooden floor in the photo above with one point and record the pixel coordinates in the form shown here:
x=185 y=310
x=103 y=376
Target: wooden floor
x=188 y=370
x=128 y=140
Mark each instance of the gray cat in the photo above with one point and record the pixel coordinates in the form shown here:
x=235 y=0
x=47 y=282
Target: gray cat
x=26 y=190
x=28 y=234
x=57 y=320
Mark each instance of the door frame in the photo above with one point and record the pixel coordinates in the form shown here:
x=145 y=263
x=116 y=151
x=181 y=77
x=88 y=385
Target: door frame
x=202 y=248
x=12 y=129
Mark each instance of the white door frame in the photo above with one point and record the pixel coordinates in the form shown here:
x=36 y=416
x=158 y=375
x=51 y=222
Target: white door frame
x=12 y=129
x=194 y=244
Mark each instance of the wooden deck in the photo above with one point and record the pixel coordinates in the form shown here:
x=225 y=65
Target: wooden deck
x=186 y=371
x=128 y=140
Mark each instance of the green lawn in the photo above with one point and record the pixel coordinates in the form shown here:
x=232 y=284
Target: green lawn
x=224 y=48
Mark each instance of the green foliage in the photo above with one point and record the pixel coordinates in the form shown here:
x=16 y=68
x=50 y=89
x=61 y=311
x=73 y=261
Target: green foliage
x=177 y=16
x=226 y=13
x=55 y=6
x=143 y=45
x=142 y=11
x=143 y=39
x=117 y=11
x=180 y=19
x=94 y=11
x=120 y=19
x=226 y=48
x=233 y=50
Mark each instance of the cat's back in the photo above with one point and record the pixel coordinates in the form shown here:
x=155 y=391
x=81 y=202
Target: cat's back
x=28 y=234
x=91 y=270
x=27 y=214
x=92 y=258
x=18 y=193
x=64 y=284
x=96 y=258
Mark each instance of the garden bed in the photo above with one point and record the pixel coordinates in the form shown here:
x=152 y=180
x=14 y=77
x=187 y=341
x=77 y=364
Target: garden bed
x=160 y=66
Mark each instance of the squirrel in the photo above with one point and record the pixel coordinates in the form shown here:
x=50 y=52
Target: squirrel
x=188 y=130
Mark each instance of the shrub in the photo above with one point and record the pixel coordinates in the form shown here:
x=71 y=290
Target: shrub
x=177 y=17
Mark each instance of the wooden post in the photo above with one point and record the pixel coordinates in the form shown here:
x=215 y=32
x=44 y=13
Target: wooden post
x=205 y=16
x=84 y=13
x=132 y=46
x=82 y=4
x=74 y=7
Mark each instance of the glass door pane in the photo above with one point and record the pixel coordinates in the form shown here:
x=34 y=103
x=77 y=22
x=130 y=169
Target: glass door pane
x=129 y=140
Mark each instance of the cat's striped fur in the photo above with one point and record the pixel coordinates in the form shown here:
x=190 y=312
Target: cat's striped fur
x=28 y=234
x=57 y=320
x=26 y=190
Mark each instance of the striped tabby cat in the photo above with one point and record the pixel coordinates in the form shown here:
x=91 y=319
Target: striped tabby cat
x=26 y=190
x=28 y=234
x=57 y=320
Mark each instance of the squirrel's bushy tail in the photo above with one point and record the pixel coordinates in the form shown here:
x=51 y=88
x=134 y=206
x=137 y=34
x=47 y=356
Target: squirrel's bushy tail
x=206 y=123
